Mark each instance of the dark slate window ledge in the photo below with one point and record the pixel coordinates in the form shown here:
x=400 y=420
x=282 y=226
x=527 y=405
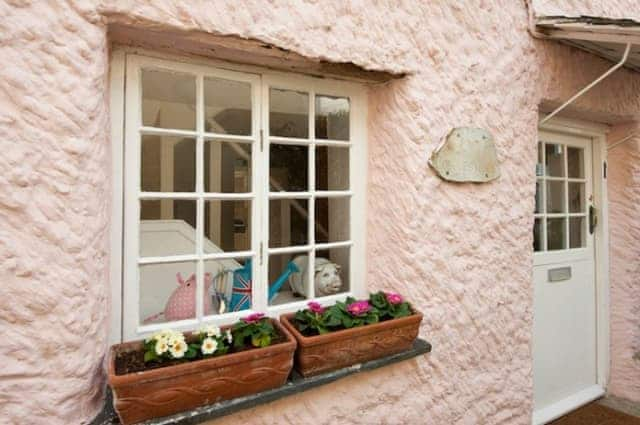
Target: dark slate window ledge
x=295 y=385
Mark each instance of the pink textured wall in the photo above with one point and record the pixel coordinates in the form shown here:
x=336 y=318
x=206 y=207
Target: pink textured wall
x=462 y=253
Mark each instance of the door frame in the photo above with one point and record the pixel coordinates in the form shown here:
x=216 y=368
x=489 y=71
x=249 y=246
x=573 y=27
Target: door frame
x=598 y=134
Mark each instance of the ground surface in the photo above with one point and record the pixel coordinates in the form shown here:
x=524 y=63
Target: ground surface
x=597 y=414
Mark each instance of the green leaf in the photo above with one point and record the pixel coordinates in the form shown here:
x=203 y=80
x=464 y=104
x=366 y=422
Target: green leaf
x=150 y=356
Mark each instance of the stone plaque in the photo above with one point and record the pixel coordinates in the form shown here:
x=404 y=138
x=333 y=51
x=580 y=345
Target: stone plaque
x=466 y=155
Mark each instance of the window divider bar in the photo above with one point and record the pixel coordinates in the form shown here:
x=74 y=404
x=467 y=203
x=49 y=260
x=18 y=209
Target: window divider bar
x=168 y=259
x=335 y=143
x=289 y=249
x=168 y=195
x=200 y=201
x=228 y=255
x=231 y=196
x=311 y=204
x=333 y=193
x=329 y=245
x=155 y=131
x=290 y=195
x=216 y=137
x=289 y=140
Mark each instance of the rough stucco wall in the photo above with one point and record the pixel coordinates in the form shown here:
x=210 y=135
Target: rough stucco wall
x=624 y=203
x=462 y=253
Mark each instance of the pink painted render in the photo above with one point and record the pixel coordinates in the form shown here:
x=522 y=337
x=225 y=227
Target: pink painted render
x=462 y=253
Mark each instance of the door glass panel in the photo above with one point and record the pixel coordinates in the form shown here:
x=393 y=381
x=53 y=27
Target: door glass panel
x=288 y=278
x=540 y=163
x=539 y=205
x=577 y=232
x=230 y=286
x=168 y=164
x=167 y=292
x=332 y=168
x=332 y=118
x=332 y=271
x=288 y=170
x=576 y=197
x=332 y=219
x=537 y=235
x=555 y=197
x=554 y=154
x=227 y=107
x=288 y=222
x=556 y=233
x=288 y=113
x=227 y=167
x=575 y=162
x=168 y=100
x=227 y=226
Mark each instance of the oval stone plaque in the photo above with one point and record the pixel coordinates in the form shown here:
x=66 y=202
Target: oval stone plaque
x=466 y=155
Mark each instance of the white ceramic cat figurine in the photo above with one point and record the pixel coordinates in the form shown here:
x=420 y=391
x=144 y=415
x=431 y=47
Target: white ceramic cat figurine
x=326 y=277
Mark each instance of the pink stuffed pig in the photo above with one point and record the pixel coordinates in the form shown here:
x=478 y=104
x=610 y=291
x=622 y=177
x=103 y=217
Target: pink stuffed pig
x=182 y=302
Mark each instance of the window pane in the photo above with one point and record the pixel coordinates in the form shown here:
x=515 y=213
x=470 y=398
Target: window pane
x=555 y=160
x=231 y=285
x=287 y=278
x=167 y=227
x=575 y=162
x=540 y=163
x=227 y=167
x=577 y=232
x=332 y=271
x=556 y=231
x=288 y=113
x=555 y=197
x=168 y=164
x=227 y=226
x=288 y=221
x=576 y=197
x=288 y=170
x=168 y=100
x=332 y=168
x=537 y=235
x=167 y=292
x=539 y=205
x=227 y=106
x=332 y=219
x=332 y=118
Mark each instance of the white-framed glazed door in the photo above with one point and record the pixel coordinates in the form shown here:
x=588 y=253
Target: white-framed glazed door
x=564 y=277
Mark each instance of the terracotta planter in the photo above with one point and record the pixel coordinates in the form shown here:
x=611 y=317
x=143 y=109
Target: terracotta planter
x=335 y=350
x=168 y=390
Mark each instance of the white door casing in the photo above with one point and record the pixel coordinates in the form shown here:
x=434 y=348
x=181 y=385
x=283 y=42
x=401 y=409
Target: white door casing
x=566 y=303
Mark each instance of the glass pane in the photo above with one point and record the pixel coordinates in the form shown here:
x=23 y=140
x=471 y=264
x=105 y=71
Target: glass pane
x=556 y=231
x=332 y=118
x=167 y=292
x=332 y=219
x=288 y=170
x=227 y=226
x=576 y=197
x=167 y=227
x=288 y=221
x=537 y=235
x=288 y=278
x=332 y=271
x=540 y=163
x=577 y=232
x=554 y=160
x=332 y=168
x=231 y=285
x=168 y=100
x=575 y=162
x=227 y=106
x=227 y=167
x=288 y=113
x=555 y=197
x=539 y=205
x=168 y=164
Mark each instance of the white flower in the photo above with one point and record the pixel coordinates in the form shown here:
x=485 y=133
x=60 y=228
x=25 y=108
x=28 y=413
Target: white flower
x=161 y=347
x=209 y=346
x=229 y=337
x=212 y=331
x=177 y=348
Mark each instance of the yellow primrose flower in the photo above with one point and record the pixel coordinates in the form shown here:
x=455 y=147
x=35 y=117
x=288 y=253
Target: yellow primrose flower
x=209 y=346
x=178 y=348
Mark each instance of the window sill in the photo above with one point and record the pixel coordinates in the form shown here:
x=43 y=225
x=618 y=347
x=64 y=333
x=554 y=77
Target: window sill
x=294 y=385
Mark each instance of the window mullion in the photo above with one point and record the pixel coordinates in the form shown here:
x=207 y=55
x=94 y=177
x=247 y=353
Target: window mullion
x=312 y=200
x=260 y=183
x=200 y=199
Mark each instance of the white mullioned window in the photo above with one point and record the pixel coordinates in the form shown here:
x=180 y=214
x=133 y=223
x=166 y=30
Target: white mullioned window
x=241 y=189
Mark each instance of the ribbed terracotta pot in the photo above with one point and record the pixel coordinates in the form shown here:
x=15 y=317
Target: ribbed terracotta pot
x=172 y=389
x=335 y=350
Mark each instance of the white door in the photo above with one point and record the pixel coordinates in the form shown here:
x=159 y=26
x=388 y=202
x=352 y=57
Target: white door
x=564 y=321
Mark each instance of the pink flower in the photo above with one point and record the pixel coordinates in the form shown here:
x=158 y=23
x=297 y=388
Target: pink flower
x=253 y=318
x=315 y=307
x=359 y=308
x=394 y=298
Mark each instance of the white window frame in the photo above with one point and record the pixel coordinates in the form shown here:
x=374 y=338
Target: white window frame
x=126 y=129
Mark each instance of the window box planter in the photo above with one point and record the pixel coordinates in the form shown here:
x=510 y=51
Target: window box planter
x=171 y=389
x=336 y=350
